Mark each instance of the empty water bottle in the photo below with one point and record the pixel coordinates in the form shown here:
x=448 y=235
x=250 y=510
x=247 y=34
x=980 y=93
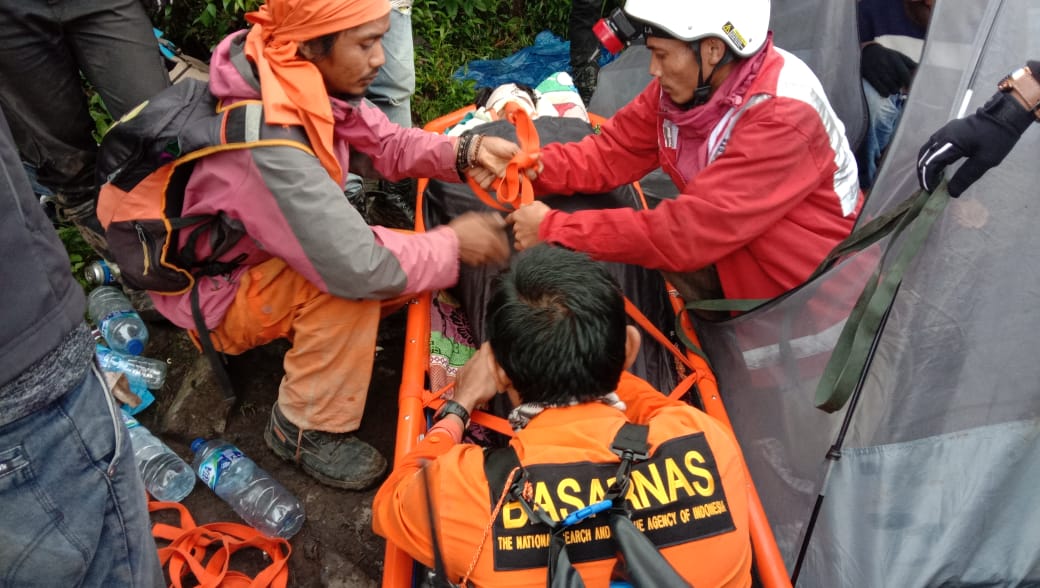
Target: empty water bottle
x=151 y=372
x=259 y=499
x=119 y=323
x=166 y=476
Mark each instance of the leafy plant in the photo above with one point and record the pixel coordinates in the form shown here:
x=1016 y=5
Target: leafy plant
x=221 y=17
x=98 y=112
x=80 y=254
x=448 y=34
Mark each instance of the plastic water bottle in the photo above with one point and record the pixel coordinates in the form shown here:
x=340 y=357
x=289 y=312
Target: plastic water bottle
x=166 y=476
x=259 y=499
x=120 y=325
x=151 y=372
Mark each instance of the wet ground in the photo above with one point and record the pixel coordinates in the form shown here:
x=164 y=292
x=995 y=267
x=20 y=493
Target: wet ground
x=336 y=546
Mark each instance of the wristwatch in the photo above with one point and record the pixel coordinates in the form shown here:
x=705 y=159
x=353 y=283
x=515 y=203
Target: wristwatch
x=1024 y=87
x=452 y=407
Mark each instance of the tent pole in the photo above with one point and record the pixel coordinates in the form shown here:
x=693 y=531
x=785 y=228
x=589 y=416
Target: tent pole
x=834 y=453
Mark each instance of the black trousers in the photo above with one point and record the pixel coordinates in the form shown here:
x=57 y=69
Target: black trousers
x=584 y=14
x=44 y=47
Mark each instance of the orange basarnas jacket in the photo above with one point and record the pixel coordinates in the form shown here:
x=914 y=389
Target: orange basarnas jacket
x=691 y=495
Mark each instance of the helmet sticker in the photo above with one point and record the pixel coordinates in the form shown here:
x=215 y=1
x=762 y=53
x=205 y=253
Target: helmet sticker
x=734 y=35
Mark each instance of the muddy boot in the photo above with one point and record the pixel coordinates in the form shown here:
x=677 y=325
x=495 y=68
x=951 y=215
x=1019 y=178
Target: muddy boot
x=585 y=78
x=340 y=460
x=81 y=210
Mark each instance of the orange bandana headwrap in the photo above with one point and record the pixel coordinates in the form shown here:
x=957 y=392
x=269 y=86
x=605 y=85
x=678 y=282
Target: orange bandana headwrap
x=292 y=88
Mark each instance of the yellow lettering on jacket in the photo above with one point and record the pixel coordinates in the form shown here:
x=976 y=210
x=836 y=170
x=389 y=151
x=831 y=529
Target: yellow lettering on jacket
x=708 y=487
x=654 y=485
x=543 y=498
x=567 y=490
x=513 y=515
x=539 y=541
x=577 y=535
x=676 y=479
x=596 y=490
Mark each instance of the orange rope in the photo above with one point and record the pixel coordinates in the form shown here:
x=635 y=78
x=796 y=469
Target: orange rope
x=515 y=189
x=487 y=529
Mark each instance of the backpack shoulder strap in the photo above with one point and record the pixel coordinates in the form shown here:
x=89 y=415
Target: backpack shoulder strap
x=497 y=465
x=243 y=124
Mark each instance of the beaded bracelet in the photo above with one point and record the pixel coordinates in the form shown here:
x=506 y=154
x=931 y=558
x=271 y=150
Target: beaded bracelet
x=462 y=155
x=476 y=150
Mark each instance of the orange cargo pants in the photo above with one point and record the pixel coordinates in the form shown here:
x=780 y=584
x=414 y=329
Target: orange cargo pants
x=328 y=368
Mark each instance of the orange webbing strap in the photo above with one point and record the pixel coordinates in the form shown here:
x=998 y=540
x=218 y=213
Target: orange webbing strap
x=514 y=189
x=190 y=544
x=434 y=400
x=637 y=315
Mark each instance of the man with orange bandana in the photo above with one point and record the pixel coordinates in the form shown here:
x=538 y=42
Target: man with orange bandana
x=313 y=271
x=557 y=346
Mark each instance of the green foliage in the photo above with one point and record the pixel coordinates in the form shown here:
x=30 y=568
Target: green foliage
x=448 y=34
x=220 y=17
x=80 y=254
x=98 y=112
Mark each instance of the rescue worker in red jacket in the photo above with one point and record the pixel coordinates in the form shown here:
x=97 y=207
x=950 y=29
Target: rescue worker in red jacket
x=768 y=183
x=557 y=346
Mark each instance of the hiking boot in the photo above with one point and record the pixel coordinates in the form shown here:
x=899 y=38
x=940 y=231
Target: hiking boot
x=585 y=78
x=340 y=460
x=81 y=211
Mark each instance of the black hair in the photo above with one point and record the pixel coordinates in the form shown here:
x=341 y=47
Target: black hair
x=319 y=47
x=556 y=322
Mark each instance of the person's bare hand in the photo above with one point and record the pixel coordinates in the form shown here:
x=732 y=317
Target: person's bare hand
x=493 y=157
x=482 y=238
x=526 y=221
x=495 y=153
x=475 y=382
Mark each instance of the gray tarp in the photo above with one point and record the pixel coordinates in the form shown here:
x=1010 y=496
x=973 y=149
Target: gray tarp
x=938 y=475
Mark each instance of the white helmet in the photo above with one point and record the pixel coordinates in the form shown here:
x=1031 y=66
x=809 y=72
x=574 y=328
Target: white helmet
x=741 y=24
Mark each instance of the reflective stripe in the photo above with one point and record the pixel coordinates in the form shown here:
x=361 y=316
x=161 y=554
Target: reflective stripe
x=254 y=120
x=797 y=81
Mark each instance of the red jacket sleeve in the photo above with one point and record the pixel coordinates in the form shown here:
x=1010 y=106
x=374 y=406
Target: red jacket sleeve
x=777 y=155
x=624 y=151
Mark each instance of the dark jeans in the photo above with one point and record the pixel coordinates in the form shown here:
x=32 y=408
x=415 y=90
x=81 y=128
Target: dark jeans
x=72 y=505
x=44 y=45
x=584 y=14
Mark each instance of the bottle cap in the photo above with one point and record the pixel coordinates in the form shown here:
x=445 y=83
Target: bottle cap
x=134 y=347
x=196 y=444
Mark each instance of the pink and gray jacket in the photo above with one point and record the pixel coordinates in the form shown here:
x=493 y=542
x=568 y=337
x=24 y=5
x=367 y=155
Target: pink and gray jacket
x=291 y=209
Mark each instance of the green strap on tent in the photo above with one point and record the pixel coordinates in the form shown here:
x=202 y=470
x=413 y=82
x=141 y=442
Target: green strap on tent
x=685 y=339
x=854 y=347
x=726 y=304
x=860 y=239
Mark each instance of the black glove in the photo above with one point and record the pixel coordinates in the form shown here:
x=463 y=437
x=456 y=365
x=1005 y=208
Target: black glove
x=985 y=138
x=887 y=70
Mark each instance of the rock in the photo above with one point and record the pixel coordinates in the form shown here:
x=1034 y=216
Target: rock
x=199 y=408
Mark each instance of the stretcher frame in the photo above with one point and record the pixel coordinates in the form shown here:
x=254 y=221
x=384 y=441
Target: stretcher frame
x=414 y=397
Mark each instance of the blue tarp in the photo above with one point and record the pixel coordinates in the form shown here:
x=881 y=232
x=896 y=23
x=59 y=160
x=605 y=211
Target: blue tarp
x=529 y=66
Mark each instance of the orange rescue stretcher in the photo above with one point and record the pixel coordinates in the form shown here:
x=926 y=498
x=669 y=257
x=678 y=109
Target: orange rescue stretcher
x=415 y=398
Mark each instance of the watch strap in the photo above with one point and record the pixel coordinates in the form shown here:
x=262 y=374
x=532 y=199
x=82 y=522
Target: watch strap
x=1022 y=84
x=452 y=407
